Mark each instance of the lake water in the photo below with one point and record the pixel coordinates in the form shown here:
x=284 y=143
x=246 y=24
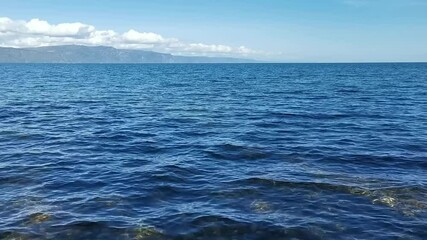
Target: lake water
x=243 y=151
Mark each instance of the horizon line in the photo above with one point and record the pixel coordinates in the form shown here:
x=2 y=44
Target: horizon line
x=256 y=61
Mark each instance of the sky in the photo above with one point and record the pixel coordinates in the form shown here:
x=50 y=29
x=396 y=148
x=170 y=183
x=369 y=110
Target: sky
x=268 y=30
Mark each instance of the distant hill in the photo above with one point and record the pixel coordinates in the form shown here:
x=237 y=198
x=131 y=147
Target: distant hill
x=86 y=54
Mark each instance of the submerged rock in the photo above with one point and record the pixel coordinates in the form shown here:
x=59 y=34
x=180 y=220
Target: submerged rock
x=386 y=200
x=261 y=206
x=144 y=233
x=38 y=218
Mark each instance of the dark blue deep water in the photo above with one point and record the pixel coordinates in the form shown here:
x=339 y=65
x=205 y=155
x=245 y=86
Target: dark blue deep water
x=258 y=151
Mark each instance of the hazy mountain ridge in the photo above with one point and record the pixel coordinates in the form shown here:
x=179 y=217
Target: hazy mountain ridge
x=100 y=54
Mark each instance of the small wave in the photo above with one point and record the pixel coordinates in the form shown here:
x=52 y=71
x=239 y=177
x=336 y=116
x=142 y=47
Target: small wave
x=314 y=116
x=237 y=152
x=400 y=162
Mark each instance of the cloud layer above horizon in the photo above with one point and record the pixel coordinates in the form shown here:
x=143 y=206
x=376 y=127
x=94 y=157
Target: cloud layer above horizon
x=38 y=33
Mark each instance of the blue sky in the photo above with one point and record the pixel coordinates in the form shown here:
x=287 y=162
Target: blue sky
x=277 y=30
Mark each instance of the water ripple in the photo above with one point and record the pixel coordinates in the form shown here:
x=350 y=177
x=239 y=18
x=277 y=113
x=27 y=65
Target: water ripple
x=258 y=151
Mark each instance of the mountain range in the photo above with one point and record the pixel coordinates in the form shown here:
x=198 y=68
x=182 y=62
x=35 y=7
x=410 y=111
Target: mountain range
x=101 y=54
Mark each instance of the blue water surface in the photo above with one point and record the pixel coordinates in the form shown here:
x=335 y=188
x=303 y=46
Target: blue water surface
x=239 y=151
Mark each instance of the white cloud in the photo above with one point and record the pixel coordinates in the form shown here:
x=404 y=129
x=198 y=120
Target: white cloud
x=6 y=24
x=36 y=26
x=36 y=33
x=102 y=37
x=136 y=37
x=200 y=47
